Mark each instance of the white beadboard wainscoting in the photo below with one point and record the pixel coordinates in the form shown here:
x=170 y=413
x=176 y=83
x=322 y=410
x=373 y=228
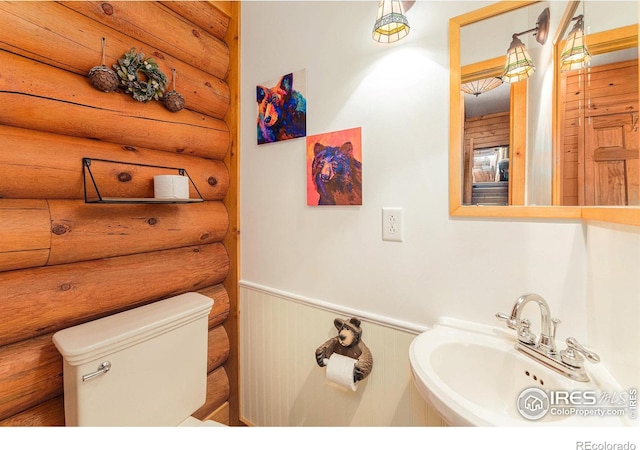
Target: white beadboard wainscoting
x=281 y=384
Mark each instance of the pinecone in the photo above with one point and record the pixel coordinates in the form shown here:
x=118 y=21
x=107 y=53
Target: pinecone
x=173 y=101
x=103 y=78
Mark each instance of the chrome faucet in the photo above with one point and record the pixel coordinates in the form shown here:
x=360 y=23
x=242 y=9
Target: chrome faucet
x=547 y=324
x=568 y=362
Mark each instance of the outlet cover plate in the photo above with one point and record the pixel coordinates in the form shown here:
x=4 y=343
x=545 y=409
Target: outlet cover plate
x=392 y=224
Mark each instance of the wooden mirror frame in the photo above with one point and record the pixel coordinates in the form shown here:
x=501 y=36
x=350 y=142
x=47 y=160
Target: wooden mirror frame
x=622 y=214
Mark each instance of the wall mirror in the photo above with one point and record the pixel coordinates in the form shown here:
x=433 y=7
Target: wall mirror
x=519 y=144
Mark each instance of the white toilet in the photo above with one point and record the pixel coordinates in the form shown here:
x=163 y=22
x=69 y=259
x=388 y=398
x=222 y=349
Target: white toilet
x=142 y=367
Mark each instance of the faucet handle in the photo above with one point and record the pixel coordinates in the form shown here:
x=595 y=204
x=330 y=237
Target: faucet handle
x=511 y=322
x=572 y=355
x=554 y=323
x=524 y=333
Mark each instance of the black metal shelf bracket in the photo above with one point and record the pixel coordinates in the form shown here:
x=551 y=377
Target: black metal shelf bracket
x=88 y=175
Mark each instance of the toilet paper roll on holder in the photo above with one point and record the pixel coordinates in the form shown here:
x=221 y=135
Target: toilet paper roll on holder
x=347 y=343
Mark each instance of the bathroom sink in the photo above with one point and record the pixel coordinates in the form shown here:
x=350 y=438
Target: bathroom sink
x=473 y=376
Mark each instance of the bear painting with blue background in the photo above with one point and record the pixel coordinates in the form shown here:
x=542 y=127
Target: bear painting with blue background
x=282 y=110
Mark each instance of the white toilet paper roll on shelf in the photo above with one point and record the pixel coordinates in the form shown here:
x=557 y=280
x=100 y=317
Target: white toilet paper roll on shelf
x=171 y=186
x=340 y=371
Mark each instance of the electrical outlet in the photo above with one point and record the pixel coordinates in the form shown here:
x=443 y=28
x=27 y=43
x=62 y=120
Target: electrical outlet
x=392 y=224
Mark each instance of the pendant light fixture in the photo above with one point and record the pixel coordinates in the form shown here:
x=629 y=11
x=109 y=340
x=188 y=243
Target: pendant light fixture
x=477 y=87
x=575 y=54
x=518 y=65
x=391 y=23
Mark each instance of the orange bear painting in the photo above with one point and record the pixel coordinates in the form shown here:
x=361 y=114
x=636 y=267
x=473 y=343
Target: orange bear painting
x=334 y=168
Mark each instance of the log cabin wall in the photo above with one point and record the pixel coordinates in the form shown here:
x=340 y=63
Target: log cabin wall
x=63 y=261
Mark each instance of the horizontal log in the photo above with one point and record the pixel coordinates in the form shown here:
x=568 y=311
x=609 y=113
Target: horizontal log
x=47 y=414
x=30 y=374
x=22 y=259
x=224 y=6
x=220 y=415
x=210 y=16
x=38 y=102
x=71 y=231
x=28 y=217
x=218 y=348
x=39 y=165
x=25 y=235
x=52 y=33
x=148 y=22
x=220 y=310
x=217 y=393
x=46 y=299
x=82 y=231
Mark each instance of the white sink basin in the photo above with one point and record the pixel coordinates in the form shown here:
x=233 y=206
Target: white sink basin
x=473 y=376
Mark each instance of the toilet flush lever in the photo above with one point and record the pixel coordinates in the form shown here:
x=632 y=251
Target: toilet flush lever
x=102 y=368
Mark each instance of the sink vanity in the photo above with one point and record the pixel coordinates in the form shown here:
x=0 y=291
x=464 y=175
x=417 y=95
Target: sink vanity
x=473 y=375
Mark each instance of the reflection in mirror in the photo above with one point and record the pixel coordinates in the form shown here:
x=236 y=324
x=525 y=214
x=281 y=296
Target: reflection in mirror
x=538 y=165
x=497 y=120
x=598 y=113
x=486 y=147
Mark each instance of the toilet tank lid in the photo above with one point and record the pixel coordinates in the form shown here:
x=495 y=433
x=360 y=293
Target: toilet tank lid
x=83 y=343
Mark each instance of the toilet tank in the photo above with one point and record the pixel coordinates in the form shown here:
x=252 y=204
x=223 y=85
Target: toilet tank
x=158 y=364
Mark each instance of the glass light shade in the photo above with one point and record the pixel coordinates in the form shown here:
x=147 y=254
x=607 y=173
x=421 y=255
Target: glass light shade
x=478 y=87
x=575 y=54
x=518 y=65
x=391 y=23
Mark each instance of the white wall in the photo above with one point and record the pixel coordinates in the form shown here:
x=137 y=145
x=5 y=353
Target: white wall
x=613 y=298
x=398 y=94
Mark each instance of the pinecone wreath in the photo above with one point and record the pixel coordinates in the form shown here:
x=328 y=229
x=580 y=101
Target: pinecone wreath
x=143 y=89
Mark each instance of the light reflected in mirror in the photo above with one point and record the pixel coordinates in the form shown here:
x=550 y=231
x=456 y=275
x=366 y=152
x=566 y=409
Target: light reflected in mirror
x=539 y=164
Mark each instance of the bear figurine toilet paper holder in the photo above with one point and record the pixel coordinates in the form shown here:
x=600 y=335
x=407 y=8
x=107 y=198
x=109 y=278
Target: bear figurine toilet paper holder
x=347 y=343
